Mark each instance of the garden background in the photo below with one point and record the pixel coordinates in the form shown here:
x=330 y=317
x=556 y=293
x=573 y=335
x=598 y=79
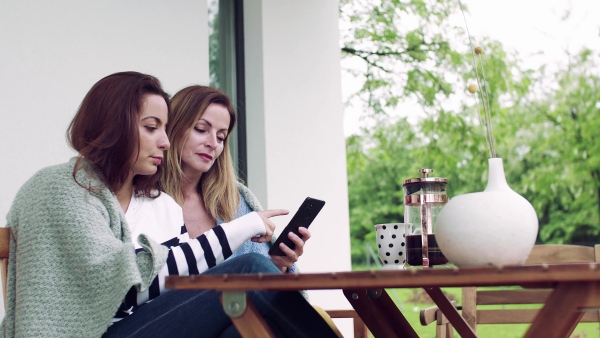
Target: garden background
x=406 y=68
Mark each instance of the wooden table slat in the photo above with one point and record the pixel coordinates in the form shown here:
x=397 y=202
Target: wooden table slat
x=439 y=277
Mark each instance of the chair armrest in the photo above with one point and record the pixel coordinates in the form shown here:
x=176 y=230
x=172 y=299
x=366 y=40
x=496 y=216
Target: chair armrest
x=432 y=314
x=428 y=315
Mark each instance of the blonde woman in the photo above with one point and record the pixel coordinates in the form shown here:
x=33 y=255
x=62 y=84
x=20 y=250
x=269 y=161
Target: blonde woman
x=199 y=171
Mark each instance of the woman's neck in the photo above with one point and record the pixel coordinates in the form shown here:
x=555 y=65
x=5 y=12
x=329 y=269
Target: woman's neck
x=124 y=194
x=196 y=217
x=189 y=184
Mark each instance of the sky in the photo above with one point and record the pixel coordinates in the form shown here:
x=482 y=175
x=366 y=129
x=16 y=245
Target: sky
x=539 y=30
x=533 y=26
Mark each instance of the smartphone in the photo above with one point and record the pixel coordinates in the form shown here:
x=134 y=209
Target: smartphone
x=302 y=218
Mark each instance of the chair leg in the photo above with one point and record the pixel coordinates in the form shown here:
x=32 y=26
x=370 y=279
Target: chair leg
x=440 y=331
x=469 y=307
x=360 y=329
x=444 y=328
x=449 y=331
x=444 y=331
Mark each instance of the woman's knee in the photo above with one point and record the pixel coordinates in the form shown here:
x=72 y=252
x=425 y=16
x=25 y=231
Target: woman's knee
x=246 y=263
x=256 y=263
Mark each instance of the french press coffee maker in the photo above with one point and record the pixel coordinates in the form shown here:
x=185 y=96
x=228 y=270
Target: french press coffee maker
x=424 y=197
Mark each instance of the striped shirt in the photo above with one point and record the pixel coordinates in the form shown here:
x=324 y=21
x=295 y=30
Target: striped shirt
x=162 y=220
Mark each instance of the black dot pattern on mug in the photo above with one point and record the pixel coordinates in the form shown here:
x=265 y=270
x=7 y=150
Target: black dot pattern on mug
x=392 y=245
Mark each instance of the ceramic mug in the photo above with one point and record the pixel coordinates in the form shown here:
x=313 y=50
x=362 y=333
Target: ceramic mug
x=391 y=245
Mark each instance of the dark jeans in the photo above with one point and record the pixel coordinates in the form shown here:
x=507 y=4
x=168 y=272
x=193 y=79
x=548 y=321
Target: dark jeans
x=176 y=314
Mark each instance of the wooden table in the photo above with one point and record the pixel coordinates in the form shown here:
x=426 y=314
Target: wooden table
x=576 y=289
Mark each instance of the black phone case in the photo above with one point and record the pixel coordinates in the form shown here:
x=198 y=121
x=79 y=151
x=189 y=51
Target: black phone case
x=302 y=218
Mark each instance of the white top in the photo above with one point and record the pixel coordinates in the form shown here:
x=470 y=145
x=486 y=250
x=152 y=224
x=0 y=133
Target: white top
x=160 y=219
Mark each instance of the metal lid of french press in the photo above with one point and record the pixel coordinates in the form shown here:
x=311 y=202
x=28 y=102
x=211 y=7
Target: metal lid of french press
x=425 y=189
x=425 y=178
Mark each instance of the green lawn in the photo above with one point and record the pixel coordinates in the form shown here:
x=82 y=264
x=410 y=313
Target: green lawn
x=405 y=298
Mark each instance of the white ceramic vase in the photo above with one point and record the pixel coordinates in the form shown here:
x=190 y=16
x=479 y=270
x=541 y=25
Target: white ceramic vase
x=494 y=227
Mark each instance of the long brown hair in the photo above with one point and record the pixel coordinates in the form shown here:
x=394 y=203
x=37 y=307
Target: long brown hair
x=217 y=186
x=105 y=129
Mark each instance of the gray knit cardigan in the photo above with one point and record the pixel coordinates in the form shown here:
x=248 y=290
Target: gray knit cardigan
x=76 y=260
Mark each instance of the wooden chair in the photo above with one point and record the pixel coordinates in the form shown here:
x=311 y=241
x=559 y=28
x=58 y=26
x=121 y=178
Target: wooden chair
x=360 y=329
x=443 y=329
x=473 y=297
x=4 y=250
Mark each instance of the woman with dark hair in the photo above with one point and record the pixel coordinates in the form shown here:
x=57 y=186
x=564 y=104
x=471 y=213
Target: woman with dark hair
x=80 y=273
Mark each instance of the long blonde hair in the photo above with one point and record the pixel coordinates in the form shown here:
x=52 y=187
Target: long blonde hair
x=217 y=186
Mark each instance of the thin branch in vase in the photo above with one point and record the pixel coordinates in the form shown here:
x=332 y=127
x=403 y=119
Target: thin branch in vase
x=472 y=88
x=484 y=92
x=485 y=117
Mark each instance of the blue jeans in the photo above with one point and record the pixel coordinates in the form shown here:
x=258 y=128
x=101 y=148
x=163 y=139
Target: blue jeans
x=194 y=313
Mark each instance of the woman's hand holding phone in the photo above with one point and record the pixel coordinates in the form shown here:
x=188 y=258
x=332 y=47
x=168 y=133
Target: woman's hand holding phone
x=269 y=225
x=291 y=256
x=290 y=244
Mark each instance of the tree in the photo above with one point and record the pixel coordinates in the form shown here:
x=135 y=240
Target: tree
x=545 y=125
x=377 y=164
x=560 y=161
x=405 y=48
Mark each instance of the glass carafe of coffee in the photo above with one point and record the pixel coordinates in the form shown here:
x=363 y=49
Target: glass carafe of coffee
x=424 y=197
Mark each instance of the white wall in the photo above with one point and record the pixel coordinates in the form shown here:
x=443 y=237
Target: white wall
x=52 y=52
x=295 y=124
